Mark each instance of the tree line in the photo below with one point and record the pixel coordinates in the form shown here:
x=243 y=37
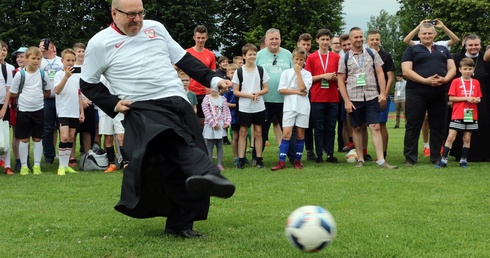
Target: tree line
x=232 y=23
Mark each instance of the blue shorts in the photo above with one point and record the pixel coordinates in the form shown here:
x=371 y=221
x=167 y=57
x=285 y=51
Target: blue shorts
x=366 y=111
x=383 y=115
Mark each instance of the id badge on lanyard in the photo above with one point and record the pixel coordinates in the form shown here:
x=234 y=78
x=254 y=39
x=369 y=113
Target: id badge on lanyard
x=468 y=115
x=361 y=79
x=325 y=82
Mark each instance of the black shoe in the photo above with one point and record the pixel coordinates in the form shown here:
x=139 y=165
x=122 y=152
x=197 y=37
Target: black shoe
x=319 y=159
x=185 y=233
x=226 y=141
x=408 y=163
x=241 y=164
x=368 y=157
x=210 y=185
x=259 y=163
x=332 y=159
x=310 y=155
x=48 y=160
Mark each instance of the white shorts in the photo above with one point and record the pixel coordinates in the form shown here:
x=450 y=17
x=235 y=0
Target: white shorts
x=110 y=126
x=293 y=118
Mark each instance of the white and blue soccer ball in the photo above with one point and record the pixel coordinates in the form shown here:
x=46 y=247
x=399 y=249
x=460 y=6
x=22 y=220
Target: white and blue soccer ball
x=310 y=228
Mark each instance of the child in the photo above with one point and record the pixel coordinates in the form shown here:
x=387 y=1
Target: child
x=5 y=83
x=190 y=95
x=20 y=58
x=30 y=114
x=109 y=126
x=294 y=84
x=465 y=93
x=69 y=114
x=251 y=107
x=238 y=60
x=217 y=118
x=231 y=100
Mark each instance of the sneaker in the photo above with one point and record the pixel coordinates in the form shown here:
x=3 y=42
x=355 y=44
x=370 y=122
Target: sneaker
x=260 y=164
x=24 y=171
x=426 y=152
x=408 y=163
x=70 y=170
x=254 y=162
x=348 y=147
x=8 y=171
x=359 y=164
x=332 y=159
x=240 y=165
x=61 y=171
x=388 y=166
x=36 y=170
x=235 y=162
x=2 y=163
x=297 y=164
x=267 y=143
x=111 y=168
x=440 y=165
x=319 y=159
x=17 y=165
x=279 y=165
x=72 y=163
x=464 y=164
x=368 y=157
x=221 y=168
x=310 y=155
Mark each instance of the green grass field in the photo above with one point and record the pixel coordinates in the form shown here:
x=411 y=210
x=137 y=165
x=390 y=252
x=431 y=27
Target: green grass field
x=409 y=212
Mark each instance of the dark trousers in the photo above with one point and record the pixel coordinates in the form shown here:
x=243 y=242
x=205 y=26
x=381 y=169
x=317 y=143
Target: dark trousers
x=324 y=120
x=419 y=99
x=49 y=128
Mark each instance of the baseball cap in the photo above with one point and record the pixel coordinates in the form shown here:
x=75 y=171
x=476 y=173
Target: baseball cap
x=20 y=50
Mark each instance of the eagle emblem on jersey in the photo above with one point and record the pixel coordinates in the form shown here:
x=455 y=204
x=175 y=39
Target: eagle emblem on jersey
x=150 y=33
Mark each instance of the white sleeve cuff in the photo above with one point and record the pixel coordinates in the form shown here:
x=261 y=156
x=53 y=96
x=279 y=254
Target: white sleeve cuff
x=214 y=83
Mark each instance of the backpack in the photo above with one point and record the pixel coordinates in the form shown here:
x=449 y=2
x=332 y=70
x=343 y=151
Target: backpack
x=23 y=79
x=239 y=72
x=371 y=53
x=94 y=162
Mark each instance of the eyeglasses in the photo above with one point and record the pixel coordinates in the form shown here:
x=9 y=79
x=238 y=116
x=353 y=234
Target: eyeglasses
x=132 y=15
x=275 y=60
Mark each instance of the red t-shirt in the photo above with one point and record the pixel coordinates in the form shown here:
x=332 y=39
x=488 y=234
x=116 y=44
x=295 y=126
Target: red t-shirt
x=315 y=67
x=208 y=59
x=458 y=90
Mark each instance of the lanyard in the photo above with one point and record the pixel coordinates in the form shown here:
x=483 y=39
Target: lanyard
x=51 y=64
x=324 y=66
x=362 y=60
x=464 y=87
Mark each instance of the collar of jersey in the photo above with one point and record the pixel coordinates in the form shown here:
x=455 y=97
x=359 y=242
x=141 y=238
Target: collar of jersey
x=114 y=26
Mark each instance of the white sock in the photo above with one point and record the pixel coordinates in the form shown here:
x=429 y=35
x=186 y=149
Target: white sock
x=426 y=145
x=380 y=161
x=38 y=152
x=23 y=152
x=7 y=159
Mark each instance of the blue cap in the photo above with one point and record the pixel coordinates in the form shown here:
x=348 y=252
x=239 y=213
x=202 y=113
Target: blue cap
x=20 y=50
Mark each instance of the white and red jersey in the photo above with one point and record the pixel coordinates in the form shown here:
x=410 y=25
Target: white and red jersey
x=137 y=67
x=470 y=88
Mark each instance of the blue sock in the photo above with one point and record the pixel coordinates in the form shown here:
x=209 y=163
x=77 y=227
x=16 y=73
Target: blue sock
x=300 y=144
x=283 y=150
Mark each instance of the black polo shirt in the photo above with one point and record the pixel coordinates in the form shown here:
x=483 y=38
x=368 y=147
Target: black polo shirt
x=426 y=63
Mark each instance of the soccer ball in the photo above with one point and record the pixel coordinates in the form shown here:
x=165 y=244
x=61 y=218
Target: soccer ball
x=351 y=156
x=310 y=228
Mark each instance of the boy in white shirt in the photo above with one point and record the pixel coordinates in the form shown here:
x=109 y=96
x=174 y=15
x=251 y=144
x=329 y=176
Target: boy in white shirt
x=251 y=107
x=294 y=85
x=5 y=82
x=67 y=89
x=30 y=114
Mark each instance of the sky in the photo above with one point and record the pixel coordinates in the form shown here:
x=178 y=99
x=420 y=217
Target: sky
x=358 y=12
